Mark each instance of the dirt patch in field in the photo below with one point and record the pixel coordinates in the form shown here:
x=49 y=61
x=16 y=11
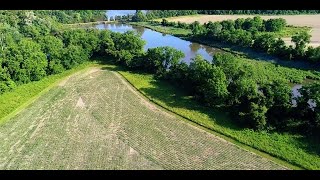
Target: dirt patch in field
x=80 y=103
x=132 y=151
x=296 y=20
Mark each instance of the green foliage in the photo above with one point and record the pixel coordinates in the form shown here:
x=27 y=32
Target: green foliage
x=313 y=54
x=153 y=14
x=196 y=28
x=301 y=40
x=87 y=39
x=209 y=82
x=256 y=33
x=73 y=55
x=308 y=109
x=73 y=16
x=164 y=22
x=271 y=12
x=264 y=42
x=278 y=99
x=32 y=46
x=139 y=16
x=126 y=47
x=159 y=60
x=274 y=25
x=213 y=29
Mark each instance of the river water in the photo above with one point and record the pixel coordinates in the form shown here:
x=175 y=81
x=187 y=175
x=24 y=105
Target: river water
x=155 y=39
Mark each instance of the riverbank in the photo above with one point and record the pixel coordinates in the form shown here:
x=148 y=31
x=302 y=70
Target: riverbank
x=90 y=23
x=243 y=52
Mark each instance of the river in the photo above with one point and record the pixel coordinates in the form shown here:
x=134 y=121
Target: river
x=155 y=39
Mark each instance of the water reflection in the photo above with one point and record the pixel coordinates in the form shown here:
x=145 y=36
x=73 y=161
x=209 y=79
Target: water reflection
x=140 y=30
x=155 y=39
x=194 y=47
x=296 y=93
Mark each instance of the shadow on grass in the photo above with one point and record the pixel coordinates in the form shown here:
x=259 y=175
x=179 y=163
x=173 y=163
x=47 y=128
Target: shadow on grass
x=175 y=98
x=311 y=144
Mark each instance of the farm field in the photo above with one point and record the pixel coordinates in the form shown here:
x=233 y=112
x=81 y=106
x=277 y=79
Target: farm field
x=96 y=120
x=296 y=20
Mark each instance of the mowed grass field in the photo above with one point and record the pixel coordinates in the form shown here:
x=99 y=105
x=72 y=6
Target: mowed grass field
x=312 y=21
x=96 y=120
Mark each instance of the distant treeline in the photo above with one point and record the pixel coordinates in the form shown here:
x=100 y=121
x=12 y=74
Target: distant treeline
x=152 y=14
x=269 y=12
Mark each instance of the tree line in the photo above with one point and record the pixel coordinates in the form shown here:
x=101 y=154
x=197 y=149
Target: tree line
x=256 y=33
x=154 y=14
x=73 y=16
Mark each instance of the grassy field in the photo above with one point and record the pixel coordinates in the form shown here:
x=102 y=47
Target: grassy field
x=96 y=120
x=14 y=101
x=295 y=149
x=302 y=22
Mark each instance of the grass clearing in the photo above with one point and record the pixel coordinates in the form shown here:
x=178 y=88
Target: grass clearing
x=96 y=120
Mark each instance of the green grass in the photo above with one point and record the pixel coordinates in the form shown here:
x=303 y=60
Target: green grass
x=295 y=149
x=16 y=100
x=290 y=31
x=263 y=71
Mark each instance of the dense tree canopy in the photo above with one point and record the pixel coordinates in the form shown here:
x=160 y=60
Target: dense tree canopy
x=152 y=14
x=256 y=33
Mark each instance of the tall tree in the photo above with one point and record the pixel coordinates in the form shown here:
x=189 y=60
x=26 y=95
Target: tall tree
x=301 y=40
x=139 y=16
